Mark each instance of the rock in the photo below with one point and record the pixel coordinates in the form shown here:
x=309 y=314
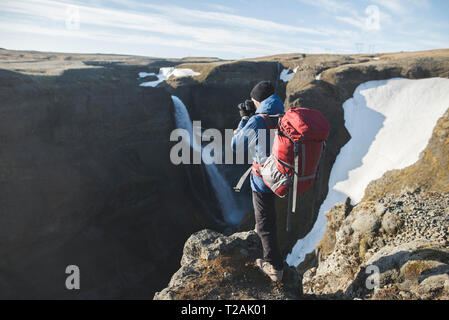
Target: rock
x=310 y=261
x=390 y=223
x=195 y=247
x=214 y=266
x=335 y=218
x=165 y=294
x=405 y=264
x=227 y=276
x=434 y=286
x=405 y=295
x=366 y=222
x=380 y=208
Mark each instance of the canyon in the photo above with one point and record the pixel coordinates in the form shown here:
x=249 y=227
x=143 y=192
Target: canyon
x=85 y=167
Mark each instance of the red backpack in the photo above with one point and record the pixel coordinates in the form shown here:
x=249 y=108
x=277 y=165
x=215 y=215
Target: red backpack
x=297 y=149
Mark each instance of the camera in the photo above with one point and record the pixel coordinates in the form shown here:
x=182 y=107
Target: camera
x=247 y=108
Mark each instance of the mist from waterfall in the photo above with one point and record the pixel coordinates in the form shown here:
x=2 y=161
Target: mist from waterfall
x=223 y=191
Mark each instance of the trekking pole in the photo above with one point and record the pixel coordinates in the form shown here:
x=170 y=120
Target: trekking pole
x=289 y=210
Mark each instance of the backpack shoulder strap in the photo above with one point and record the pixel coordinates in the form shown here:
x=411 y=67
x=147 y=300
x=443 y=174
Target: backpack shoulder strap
x=268 y=121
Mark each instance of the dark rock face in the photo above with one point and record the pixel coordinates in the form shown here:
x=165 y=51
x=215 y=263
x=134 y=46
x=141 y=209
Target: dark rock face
x=86 y=180
x=214 y=99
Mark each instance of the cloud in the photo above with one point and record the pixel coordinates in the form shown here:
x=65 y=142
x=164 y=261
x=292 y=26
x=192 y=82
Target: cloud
x=355 y=22
x=345 y=12
x=180 y=14
x=402 y=7
x=128 y=27
x=157 y=25
x=333 y=6
x=146 y=27
x=219 y=7
x=395 y=6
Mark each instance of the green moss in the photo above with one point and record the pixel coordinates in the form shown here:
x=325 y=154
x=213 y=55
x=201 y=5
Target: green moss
x=364 y=244
x=415 y=268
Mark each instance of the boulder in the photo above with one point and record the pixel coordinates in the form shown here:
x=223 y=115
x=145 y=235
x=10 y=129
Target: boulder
x=215 y=266
x=408 y=258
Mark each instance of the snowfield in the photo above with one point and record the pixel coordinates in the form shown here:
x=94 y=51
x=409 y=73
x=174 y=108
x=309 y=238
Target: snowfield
x=390 y=122
x=165 y=74
x=287 y=74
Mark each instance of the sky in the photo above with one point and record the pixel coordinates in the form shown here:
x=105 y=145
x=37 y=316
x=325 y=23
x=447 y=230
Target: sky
x=232 y=29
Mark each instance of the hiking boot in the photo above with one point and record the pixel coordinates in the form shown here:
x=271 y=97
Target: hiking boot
x=269 y=270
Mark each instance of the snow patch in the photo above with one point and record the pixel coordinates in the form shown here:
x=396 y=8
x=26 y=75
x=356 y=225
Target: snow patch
x=146 y=74
x=376 y=58
x=318 y=77
x=287 y=74
x=165 y=74
x=390 y=122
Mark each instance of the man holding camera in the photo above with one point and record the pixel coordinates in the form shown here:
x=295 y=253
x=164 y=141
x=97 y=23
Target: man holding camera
x=256 y=116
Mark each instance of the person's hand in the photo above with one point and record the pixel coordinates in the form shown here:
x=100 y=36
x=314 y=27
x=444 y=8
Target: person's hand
x=247 y=109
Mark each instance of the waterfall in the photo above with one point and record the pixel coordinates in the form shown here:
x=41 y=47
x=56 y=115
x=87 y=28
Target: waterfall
x=223 y=191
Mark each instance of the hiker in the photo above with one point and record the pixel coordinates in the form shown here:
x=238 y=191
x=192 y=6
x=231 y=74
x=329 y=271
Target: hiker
x=254 y=116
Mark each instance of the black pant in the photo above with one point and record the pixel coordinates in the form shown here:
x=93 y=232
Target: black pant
x=265 y=214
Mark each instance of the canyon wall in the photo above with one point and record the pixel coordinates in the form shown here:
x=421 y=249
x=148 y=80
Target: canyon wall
x=86 y=179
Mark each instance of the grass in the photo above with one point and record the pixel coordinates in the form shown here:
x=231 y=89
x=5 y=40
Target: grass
x=415 y=268
x=364 y=244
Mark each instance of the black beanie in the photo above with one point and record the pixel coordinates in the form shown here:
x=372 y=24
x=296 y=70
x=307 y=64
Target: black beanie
x=262 y=90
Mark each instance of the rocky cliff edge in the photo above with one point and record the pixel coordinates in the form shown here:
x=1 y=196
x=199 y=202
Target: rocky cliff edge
x=215 y=266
